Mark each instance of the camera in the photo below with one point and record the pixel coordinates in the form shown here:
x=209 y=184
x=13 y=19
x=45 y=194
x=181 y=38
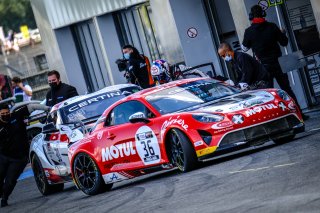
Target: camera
x=122 y=64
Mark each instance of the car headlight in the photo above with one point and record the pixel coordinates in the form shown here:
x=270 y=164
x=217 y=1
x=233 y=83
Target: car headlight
x=283 y=95
x=208 y=118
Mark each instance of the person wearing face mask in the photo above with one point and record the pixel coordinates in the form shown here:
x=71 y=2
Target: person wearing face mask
x=251 y=74
x=14 y=146
x=138 y=67
x=58 y=91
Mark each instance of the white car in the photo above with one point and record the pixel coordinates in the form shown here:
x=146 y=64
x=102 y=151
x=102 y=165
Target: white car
x=49 y=149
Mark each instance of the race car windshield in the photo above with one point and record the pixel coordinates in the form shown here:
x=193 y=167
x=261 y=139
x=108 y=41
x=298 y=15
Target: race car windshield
x=189 y=95
x=91 y=108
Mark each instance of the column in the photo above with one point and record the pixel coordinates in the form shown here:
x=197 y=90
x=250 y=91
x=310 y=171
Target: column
x=316 y=10
x=240 y=16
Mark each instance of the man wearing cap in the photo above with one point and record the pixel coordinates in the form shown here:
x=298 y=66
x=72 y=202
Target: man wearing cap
x=14 y=146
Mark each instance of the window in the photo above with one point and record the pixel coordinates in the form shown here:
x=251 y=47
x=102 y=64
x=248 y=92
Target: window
x=121 y=113
x=41 y=62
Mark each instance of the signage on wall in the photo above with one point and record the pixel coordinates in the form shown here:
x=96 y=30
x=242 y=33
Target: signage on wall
x=192 y=32
x=273 y=3
x=265 y=4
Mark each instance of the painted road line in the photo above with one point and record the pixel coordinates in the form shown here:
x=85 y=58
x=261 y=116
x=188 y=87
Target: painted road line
x=262 y=168
x=288 y=164
x=250 y=170
x=26 y=174
x=316 y=129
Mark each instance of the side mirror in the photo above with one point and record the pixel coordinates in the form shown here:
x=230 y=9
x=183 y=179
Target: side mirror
x=138 y=117
x=49 y=128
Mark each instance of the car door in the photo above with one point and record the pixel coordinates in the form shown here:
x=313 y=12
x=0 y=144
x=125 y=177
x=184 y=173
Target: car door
x=129 y=145
x=57 y=142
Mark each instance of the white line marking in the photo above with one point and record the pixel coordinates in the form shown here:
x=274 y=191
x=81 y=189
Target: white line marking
x=262 y=168
x=311 y=130
x=288 y=164
x=250 y=170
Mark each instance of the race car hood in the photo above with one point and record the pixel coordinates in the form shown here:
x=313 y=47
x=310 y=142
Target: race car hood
x=238 y=102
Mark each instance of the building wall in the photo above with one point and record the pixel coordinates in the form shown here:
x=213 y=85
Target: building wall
x=201 y=49
x=48 y=38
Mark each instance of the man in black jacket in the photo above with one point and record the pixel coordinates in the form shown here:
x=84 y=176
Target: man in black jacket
x=251 y=74
x=264 y=39
x=138 y=69
x=59 y=91
x=14 y=146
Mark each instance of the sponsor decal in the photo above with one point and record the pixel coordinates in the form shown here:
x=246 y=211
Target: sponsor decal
x=282 y=106
x=292 y=106
x=176 y=120
x=113 y=177
x=98 y=99
x=198 y=143
x=117 y=151
x=100 y=135
x=147 y=145
x=238 y=119
x=258 y=109
x=222 y=125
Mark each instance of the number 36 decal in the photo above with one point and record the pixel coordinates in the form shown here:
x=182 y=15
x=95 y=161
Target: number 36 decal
x=147 y=145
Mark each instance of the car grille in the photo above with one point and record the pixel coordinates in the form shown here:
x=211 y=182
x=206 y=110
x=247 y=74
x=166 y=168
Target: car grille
x=261 y=131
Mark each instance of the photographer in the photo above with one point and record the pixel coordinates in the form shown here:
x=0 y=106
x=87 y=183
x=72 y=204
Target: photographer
x=137 y=67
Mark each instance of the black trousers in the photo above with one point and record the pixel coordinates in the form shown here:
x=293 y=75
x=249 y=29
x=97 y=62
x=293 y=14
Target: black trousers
x=10 y=170
x=274 y=69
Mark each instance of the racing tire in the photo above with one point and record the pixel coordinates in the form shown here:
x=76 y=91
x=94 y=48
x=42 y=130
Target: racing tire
x=41 y=180
x=284 y=139
x=88 y=176
x=181 y=152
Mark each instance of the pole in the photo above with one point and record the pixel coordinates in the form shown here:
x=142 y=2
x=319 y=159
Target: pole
x=285 y=48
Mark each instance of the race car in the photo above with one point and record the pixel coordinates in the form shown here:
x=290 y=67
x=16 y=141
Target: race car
x=177 y=125
x=49 y=149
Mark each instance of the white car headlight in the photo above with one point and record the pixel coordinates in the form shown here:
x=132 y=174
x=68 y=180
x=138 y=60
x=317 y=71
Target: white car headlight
x=207 y=118
x=283 y=95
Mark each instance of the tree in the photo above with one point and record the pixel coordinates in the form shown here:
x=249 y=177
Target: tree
x=15 y=13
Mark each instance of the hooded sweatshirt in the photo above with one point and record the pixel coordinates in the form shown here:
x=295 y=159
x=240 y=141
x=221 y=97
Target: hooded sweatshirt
x=264 y=39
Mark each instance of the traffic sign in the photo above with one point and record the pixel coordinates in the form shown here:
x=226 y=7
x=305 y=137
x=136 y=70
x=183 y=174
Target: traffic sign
x=264 y=4
x=192 y=32
x=273 y=3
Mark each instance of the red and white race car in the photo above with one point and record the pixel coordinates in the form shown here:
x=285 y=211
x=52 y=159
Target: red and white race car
x=176 y=125
x=49 y=149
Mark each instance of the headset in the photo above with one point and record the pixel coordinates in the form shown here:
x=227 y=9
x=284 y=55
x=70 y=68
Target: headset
x=257 y=10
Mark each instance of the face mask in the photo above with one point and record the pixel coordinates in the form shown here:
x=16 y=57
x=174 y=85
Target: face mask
x=5 y=118
x=53 y=85
x=228 y=58
x=126 y=56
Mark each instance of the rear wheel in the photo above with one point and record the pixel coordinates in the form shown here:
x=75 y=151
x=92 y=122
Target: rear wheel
x=285 y=139
x=41 y=180
x=181 y=151
x=88 y=176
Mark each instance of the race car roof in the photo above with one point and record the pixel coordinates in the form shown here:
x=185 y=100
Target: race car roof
x=82 y=97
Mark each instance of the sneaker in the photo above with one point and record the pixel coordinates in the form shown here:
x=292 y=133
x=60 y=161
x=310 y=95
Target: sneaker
x=4 y=203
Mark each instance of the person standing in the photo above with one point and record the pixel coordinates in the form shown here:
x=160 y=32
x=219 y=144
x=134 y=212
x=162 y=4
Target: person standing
x=22 y=92
x=58 y=91
x=265 y=38
x=14 y=146
x=138 y=67
x=251 y=74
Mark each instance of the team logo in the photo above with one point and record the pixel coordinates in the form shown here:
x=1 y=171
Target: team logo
x=221 y=125
x=237 y=119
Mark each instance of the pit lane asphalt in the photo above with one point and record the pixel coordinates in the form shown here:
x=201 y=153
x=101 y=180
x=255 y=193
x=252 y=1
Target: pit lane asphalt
x=269 y=178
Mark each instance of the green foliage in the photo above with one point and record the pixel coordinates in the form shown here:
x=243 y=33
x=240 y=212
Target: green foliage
x=14 y=13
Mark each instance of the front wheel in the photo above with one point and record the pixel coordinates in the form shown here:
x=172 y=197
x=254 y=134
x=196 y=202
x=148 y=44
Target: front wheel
x=88 y=176
x=181 y=152
x=41 y=180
